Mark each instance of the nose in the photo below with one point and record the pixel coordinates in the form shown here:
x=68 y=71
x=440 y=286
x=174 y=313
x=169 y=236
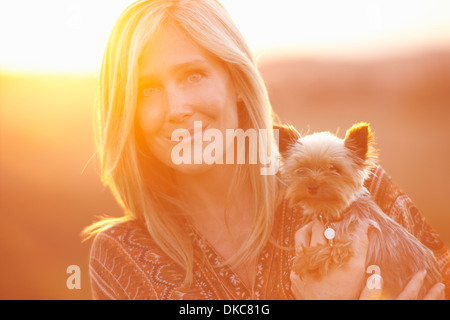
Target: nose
x=178 y=108
x=313 y=188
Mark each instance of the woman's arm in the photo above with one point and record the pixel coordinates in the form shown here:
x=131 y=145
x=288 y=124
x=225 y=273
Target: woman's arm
x=126 y=264
x=396 y=204
x=114 y=273
x=345 y=282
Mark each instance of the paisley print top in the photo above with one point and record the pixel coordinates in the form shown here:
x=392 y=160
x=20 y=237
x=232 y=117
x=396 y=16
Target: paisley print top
x=125 y=263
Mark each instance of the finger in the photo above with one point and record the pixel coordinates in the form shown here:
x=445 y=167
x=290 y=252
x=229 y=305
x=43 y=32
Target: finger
x=361 y=245
x=295 y=280
x=413 y=287
x=361 y=242
x=373 y=289
x=303 y=237
x=437 y=292
x=361 y=232
x=317 y=236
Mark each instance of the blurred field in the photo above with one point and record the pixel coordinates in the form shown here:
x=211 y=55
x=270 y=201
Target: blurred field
x=49 y=190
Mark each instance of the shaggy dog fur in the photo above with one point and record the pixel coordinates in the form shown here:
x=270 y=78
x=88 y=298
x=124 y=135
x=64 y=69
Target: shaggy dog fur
x=324 y=176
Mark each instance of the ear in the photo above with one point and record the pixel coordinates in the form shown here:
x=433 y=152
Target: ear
x=358 y=139
x=287 y=136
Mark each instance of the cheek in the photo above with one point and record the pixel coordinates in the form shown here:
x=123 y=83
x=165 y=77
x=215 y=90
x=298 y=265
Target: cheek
x=219 y=100
x=231 y=107
x=160 y=149
x=209 y=100
x=149 y=118
x=227 y=112
x=150 y=121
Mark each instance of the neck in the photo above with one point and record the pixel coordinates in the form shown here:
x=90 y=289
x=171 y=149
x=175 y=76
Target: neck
x=206 y=195
x=339 y=214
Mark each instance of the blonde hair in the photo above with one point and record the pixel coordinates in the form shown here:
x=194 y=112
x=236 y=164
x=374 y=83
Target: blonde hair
x=120 y=146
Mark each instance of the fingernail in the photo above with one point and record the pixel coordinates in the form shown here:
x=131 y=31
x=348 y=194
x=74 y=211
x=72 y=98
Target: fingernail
x=442 y=291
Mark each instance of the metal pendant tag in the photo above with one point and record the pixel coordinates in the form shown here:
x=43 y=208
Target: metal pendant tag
x=329 y=233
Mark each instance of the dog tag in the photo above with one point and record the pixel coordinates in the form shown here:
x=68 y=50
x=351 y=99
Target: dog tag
x=329 y=233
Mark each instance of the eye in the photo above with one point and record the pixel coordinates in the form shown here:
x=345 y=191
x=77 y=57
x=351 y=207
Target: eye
x=150 y=91
x=334 y=169
x=194 y=77
x=300 y=171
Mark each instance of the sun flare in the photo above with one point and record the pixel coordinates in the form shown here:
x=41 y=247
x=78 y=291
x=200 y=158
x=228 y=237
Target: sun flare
x=69 y=36
x=56 y=36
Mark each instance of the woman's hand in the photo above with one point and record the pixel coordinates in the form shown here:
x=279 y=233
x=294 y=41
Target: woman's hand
x=346 y=282
x=411 y=291
x=341 y=283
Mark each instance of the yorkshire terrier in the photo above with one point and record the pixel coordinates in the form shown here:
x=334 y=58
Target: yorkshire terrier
x=325 y=176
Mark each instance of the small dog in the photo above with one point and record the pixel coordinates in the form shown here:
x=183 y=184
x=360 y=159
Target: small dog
x=325 y=176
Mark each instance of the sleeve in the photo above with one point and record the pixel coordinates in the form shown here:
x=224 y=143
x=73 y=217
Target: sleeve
x=395 y=203
x=114 y=274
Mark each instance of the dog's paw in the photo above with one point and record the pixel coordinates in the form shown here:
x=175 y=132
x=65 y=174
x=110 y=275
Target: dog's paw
x=317 y=261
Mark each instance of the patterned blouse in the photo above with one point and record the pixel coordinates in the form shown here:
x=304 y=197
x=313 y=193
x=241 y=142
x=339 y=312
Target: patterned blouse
x=125 y=262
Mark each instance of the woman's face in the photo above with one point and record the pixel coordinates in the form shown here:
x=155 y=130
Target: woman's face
x=179 y=83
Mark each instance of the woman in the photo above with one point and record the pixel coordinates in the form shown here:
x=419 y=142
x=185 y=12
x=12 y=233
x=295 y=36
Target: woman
x=198 y=230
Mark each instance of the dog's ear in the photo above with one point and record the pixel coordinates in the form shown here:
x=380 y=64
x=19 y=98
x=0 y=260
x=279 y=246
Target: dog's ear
x=287 y=136
x=359 y=139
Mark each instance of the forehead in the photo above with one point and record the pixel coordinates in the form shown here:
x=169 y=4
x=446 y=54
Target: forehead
x=169 y=49
x=320 y=149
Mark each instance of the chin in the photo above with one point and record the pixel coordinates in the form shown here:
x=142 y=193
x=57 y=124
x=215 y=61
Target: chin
x=192 y=169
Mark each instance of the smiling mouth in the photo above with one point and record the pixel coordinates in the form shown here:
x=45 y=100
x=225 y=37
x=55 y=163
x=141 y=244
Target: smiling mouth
x=193 y=133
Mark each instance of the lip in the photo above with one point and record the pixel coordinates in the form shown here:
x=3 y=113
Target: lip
x=192 y=135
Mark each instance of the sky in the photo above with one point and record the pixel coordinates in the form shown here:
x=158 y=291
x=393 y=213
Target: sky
x=70 y=35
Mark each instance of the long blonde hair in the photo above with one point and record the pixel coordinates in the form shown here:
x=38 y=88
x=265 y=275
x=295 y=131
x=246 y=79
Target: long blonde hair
x=128 y=168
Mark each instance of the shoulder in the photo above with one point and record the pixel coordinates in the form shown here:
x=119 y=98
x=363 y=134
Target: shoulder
x=126 y=263
x=121 y=240
x=123 y=235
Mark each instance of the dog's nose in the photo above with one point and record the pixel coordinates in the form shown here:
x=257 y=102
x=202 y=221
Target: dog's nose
x=313 y=188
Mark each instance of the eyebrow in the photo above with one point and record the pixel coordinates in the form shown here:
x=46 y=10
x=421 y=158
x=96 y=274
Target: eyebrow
x=149 y=78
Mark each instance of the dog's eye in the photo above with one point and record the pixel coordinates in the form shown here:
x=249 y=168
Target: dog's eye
x=333 y=168
x=300 y=171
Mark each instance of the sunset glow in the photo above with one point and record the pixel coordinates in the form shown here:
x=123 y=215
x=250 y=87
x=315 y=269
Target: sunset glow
x=69 y=36
x=326 y=65
x=56 y=36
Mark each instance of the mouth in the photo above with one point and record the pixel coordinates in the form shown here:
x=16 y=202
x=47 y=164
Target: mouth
x=194 y=133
